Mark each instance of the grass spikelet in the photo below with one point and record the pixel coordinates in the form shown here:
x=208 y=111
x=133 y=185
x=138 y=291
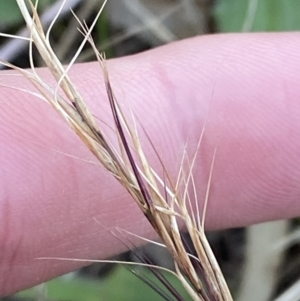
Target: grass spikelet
x=162 y=202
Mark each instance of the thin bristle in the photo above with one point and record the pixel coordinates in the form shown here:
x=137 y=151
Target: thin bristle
x=154 y=286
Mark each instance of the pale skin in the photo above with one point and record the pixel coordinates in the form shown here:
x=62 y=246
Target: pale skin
x=49 y=201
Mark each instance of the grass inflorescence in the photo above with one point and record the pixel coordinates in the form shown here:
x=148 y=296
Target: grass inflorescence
x=163 y=202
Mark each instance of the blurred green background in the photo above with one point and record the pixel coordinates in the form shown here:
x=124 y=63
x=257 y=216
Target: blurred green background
x=269 y=15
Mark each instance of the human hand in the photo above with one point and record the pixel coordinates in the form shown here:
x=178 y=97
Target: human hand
x=248 y=87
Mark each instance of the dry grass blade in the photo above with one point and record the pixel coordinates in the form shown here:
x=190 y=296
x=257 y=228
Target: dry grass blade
x=163 y=204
